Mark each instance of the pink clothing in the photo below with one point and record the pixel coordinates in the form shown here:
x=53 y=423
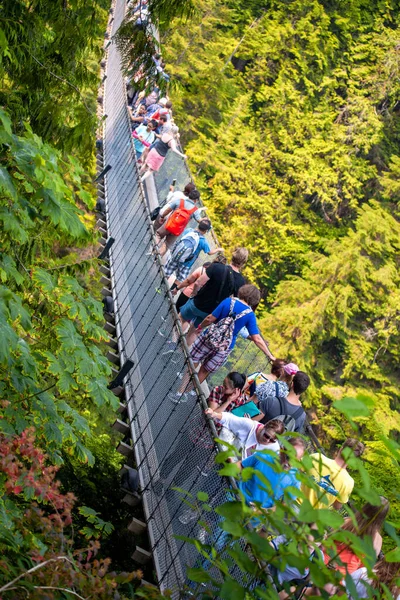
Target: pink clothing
x=154 y=160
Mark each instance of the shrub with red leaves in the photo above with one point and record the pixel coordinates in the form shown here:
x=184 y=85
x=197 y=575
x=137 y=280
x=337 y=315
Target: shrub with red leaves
x=38 y=558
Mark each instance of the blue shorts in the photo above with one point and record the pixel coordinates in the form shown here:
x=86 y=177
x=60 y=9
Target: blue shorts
x=190 y=313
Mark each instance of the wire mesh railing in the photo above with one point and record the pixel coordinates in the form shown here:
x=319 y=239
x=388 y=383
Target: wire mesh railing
x=173 y=442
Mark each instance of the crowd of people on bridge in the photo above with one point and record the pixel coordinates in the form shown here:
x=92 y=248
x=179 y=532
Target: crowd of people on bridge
x=260 y=414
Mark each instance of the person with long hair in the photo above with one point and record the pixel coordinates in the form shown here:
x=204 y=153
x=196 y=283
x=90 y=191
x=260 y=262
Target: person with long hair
x=256 y=379
x=278 y=382
x=367 y=523
x=384 y=575
x=157 y=154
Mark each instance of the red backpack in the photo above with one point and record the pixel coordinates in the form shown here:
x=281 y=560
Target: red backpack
x=179 y=219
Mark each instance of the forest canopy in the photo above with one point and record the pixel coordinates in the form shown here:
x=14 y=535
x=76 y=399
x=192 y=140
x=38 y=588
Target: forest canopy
x=289 y=113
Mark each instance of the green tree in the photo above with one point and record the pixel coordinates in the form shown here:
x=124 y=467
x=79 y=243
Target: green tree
x=50 y=351
x=49 y=55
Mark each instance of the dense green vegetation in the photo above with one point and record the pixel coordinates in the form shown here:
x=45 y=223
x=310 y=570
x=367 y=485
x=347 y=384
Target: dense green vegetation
x=49 y=68
x=297 y=156
x=55 y=406
x=298 y=159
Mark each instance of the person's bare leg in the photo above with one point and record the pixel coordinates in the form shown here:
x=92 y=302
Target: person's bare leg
x=191 y=335
x=160 y=241
x=143 y=168
x=185 y=324
x=144 y=155
x=203 y=374
x=146 y=175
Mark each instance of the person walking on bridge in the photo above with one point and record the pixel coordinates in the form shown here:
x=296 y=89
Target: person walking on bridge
x=157 y=154
x=221 y=328
x=217 y=283
x=187 y=249
x=175 y=216
x=214 y=344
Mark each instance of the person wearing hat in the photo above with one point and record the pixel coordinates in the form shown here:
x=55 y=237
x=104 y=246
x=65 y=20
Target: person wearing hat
x=275 y=405
x=187 y=249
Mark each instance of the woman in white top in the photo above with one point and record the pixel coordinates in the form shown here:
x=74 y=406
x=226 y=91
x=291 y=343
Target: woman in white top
x=247 y=435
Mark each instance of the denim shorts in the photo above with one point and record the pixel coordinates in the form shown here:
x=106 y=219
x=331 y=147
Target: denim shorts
x=190 y=313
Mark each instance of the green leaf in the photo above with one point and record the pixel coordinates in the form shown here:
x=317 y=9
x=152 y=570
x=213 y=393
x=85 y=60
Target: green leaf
x=97 y=389
x=52 y=433
x=231 y=590
x=233 y=528
x=6 y=184
x=393 y=555
x=202 y=496
x=12 y=226
x=233 y=510
x=87 y=532
x=6 y=427
x=242 y=559
x=198 y=575
x=87 y=512
x=5 y=121
x=44 y=280
x=66 y=383
x=352 y=407
x=62 y=213
x=68 y=336
x=86 y=198
x=229 y=470
x=84 y=454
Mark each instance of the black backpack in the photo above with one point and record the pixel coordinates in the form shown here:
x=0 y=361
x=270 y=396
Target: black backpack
x=289 y=421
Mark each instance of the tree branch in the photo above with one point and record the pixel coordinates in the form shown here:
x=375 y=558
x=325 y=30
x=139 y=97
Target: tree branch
x=33 y=569
x=65 y=81
x=50 y=587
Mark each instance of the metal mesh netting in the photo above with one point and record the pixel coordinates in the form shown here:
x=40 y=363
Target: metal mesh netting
x=173 y=443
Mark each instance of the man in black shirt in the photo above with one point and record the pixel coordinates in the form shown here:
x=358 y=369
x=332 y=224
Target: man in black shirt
x=217 y=283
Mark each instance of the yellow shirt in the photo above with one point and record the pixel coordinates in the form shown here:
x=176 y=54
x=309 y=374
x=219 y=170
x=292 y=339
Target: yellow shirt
x=335 y=484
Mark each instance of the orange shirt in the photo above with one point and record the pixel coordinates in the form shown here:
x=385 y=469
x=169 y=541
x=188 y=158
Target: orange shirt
x=351 y=562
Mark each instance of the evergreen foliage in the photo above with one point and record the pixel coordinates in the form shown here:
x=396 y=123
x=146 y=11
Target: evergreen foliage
x=297 y=158
x=49 y=55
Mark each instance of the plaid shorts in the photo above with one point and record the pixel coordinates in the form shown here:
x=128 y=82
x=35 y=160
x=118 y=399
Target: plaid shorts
x=175 y=265
x=211 y=360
